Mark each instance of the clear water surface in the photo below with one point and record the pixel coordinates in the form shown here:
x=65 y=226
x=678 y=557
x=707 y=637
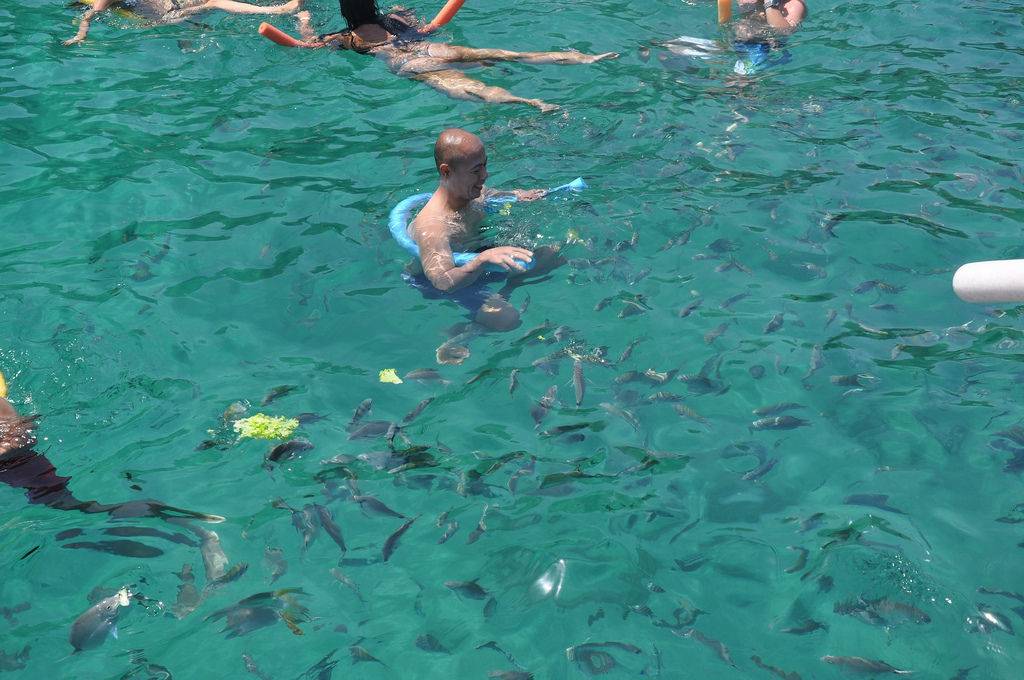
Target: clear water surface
x=193 y=216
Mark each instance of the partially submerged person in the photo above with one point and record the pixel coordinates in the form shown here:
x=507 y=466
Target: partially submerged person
x=760 y=27
x=23 y=467
x=451 y=222
x=171 y=11
x=394 y=38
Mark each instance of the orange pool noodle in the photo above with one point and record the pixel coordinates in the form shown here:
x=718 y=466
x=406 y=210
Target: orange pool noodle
x=724 y=11
x=280 y=37
x=446 y=14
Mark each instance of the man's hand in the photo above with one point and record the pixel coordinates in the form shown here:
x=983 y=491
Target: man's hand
x=506 y=257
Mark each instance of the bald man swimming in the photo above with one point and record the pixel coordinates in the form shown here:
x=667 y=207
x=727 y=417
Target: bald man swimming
x=450 y=222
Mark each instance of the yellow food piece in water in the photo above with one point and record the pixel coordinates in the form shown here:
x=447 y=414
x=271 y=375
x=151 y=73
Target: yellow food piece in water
x=388 y=375
x=261 y=426
x=3 y=386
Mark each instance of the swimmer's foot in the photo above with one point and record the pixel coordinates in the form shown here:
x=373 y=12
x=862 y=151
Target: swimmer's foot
x=601 y=57
x=542 y=105
x=290 y=7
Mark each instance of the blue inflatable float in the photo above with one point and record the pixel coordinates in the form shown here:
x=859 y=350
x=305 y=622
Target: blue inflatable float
x=401 y=215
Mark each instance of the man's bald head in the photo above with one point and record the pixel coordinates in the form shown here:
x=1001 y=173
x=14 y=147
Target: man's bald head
x=455 y=145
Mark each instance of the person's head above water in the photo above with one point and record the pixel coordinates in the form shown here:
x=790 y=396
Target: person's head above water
x=359 y=12
x=461 y=162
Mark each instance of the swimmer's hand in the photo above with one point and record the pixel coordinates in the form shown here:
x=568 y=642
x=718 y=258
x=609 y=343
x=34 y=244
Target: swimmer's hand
x=529 y=194
x=509 y=258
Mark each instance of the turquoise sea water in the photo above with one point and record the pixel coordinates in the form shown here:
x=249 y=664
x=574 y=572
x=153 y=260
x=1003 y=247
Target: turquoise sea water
x=193 y=216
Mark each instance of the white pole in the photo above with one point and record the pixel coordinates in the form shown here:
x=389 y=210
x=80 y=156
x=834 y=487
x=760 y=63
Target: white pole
x=992 y=281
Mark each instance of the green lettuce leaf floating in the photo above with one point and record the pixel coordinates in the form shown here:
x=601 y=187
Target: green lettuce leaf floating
x=261 y=426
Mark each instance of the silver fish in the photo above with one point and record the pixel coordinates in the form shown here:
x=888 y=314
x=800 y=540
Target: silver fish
x=862 y=665
x=392 y=542
x=578 y=381
x=540 y=410
x=329 y=525
x=90 y=630
x=778 y=423
x=214 y=558
x=470 y=589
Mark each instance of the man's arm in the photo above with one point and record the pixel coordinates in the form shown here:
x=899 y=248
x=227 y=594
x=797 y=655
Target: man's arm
x=83 y=27
x=439 y=265
x=520 y=194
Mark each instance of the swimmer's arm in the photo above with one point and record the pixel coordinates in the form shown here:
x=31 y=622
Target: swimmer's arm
x=520 y=194
x=83 y=27
x=440 y=268
x=787 y=16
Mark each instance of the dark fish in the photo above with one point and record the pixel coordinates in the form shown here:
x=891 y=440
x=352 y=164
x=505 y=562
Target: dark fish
x=873 y=500
x=415 y=412
x=626 y=353
x=275 y=562
x=775 y=324
x=429 y=643
x=761 y=470
x=307 y=522
x=801 y=560
x=392 y=542
x=689 y=307
x=881 y=612
x=578 y=382
x=775 y=409
x=494 y=645
x=513 y=381
x=734 y=299
x=715 y=645
x=778 y=671
x=374 y=428
x=540 y=410
x=453 y=526
x=808 y=626
x=631 y=309
x=286 y=450
x=860 y=665
x=988 y=621
x=715 y=333
x=777 y=423
x=370 y=504
x=90 y=630
x=475 y=535
x=361 y=411
x=624 y=414
x=665 y=397
x=424 y=375
x=510 y=675
x=336 y=573
x=470 y=589
x=277 y=392
x=358 y=654
x=756 y=371
x=525 y=306
x=329 y=525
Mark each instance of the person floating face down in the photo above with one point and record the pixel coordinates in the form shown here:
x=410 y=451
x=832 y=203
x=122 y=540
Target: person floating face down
x=23 y=467
x=393 y=37
x=171 y=11
x=451 y=221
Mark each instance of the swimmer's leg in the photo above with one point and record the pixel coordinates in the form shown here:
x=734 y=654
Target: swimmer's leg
x=458 y=85
x=458 y=53
x=234 y=7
